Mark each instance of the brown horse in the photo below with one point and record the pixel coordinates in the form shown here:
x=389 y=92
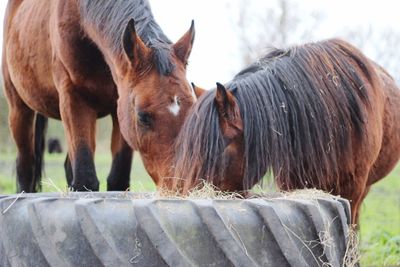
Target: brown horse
x=320 y=115
x=78 y=60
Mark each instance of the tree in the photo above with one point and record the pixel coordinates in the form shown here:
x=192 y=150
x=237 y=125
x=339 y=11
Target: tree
x=279 y=23
x=264 y=24
x=380 y=44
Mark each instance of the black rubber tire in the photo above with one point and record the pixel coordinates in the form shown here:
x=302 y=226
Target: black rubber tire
x=115 y=229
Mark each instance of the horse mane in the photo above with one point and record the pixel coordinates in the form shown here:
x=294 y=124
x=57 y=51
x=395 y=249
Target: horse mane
x=302 y=108
x=110 y=19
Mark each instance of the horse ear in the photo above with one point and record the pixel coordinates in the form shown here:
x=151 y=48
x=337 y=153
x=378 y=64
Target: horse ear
x=134 y=48
x=198 y=91
x=223 y=100
x=183 y=47
x=228 y=112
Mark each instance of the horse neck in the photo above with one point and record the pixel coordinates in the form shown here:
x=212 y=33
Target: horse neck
x=114 y=59
x=96 y=25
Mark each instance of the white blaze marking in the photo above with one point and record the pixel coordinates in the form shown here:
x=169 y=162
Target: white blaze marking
x=174 y=108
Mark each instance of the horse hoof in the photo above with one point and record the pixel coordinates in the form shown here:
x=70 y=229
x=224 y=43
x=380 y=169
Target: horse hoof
x=85 y=187
x=117 y=187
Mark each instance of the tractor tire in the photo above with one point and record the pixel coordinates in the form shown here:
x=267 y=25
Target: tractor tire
x=128 y=229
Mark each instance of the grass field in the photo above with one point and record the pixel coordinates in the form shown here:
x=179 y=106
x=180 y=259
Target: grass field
x=54 y=173
x=380 y=217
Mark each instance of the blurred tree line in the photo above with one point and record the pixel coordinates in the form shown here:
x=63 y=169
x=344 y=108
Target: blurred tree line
x=280 y=23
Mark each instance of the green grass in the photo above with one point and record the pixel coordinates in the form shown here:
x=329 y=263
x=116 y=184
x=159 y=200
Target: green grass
x=380 y=223
x=54 y=172
x=380 y=214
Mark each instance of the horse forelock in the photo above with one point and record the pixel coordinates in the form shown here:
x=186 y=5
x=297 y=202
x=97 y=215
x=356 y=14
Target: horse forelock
x=110 y=18
x=162 y=59
x=200 y=142
x=300 y=107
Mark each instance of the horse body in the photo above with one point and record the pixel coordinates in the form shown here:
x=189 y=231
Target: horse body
x=31 y=61
x=320 y=115
x=389 y=152
x=74 y=60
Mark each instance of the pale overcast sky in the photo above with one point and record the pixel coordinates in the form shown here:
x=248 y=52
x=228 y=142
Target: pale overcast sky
x=215 y=54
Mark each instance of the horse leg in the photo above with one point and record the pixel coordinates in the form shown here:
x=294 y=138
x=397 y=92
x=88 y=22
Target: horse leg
x=21 y=121
x=118 y=179
x=81 y=136
x=79 y=121
x=357 y=217
x=68 y=170
x=39 y=148
x=358 y=192
x=80 y=133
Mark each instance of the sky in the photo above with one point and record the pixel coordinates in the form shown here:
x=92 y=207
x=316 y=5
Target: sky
x=216 y=55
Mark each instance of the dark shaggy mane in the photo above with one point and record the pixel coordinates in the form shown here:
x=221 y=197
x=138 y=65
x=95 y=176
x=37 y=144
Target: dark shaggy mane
x=111 y=17
x=302 y=109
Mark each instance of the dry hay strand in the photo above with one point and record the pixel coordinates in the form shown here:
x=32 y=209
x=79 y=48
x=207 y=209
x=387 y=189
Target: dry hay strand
x=305 y=194
x=308 y=194
x=208 y=191
x=204 y=190
x=352 y=256
x=49 y=183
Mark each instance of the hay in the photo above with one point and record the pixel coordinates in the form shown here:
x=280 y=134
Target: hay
x=203 y=191
x=209 y=191
x=308 y=194
x=12 y=203
x=48 y=182
x=352 y=256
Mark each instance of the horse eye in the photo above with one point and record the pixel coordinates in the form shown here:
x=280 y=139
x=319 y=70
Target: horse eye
x=144 y=118
x=176 y=100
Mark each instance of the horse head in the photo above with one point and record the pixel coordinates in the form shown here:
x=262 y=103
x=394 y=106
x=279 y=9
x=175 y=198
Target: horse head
x=154 y=96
